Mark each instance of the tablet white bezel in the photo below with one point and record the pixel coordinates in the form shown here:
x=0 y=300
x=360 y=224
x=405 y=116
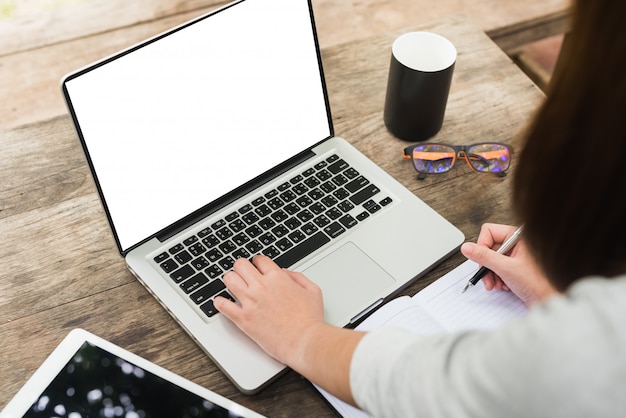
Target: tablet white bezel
x=63 y=353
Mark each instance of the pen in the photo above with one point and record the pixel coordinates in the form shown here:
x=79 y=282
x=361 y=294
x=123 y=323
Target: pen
x=505 y=248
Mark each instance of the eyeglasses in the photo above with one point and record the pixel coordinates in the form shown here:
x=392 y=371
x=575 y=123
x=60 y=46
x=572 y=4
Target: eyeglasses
x=488 y=157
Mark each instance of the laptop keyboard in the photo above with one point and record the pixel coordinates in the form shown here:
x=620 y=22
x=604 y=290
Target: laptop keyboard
x=286 y=224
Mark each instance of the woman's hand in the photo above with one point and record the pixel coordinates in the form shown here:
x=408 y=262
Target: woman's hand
x=277 y=307
x=516 y=271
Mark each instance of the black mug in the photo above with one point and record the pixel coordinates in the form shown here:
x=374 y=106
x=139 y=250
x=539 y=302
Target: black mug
x=419 y=81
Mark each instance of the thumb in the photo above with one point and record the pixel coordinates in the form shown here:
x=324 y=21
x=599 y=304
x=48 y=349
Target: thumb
x=481 y=255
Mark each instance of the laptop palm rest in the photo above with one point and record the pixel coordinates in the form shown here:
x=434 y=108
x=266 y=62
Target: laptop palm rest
x=362 y=279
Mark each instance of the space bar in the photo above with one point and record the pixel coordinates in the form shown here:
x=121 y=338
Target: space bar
x=301 y=250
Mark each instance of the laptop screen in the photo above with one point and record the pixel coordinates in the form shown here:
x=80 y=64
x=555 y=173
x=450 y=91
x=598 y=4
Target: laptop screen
x=174 y=124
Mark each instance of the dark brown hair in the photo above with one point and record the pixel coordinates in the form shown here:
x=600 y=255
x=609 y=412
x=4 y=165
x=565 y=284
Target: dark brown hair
x=570 y=183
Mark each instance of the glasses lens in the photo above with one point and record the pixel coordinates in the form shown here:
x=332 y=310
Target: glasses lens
x=433 y=158
x=489 y=158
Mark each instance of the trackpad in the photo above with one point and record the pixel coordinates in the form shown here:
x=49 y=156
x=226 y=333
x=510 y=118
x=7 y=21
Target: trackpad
x=350 y=281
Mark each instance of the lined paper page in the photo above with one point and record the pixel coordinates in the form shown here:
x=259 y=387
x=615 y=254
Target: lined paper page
x=474 y=309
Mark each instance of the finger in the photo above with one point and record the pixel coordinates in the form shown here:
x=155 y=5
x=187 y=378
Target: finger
x=484 y=256
x=244 y=268
x=264 y=264
x=492 y=235
x=236 y=284
x=301 y=279
x=227 y=307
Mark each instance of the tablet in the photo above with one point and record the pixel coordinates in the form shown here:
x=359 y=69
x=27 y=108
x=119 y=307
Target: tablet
x=87 y=376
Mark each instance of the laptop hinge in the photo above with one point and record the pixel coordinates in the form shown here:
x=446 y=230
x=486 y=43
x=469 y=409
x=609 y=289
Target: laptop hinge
x=227 y=199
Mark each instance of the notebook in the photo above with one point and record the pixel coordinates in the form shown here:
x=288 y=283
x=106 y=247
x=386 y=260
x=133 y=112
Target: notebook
x=440 y=308
x=213 y=141
x=90 y=377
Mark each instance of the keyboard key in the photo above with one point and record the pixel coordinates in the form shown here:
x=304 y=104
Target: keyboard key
x=176 y=248
x=351 y=173
x=217 y=225
x=322 y=221
x=300 y=189
x=309 y=172
x=169 y=265
x=200 y=263
x=292 y=223
x=297 y=236
x=288 y=196
x=190 y=240
x=240 y=239
x=311 y=182
x=280 y=215
x=301 y=250
x=271 y=251
x=340 y=180
x=323 y=175
x=224 y=233
x=254 y=231
x=241 y=253
x=329 y=201
x=231 y=216
x=197 y=249
x=341 y=193
x=227 y=247
x=267 y=223
x=280 y=231
x=258 y=201
x=320 y=165
x=213 y=271
x=194 y=283
x=348 y=221
x=338 y=166
x=357 y=184
x=362 y=216
x=267 y=238
x=227 y=262
x=209 y=309
x=275 y=203
x=292 y=208
x=254 y=246
x=316 y=194
x=364 y=194
x=263 y=210
x=332 y=158
x=284 y=244
x=245 y=209
x=386 y=201
x=317 y=208
x=214 y=255
x=309 y=228
x=204 y=232
x=208 y=291
x=296 y=179
x=334 y=230
x=161 y=257
x=271 y=194
x=250 y=218
x=183 y=257
x=334 y=213
x=284 y=186
x=182 y=273
x=305 y=215
x=237 y=225
x=345 y=206
x=210 y=241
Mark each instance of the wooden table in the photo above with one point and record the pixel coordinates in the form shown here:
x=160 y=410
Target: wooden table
x=61 y=268
x=37 y=49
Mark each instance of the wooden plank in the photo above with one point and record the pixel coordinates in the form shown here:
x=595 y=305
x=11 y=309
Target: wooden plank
x=44 y=27
x=62 y=269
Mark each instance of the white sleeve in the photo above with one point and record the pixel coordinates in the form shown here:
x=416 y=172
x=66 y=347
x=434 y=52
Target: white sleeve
x=558 y=361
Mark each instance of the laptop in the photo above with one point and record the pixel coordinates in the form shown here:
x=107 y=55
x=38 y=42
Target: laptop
x=214 y=141
x=91 y=377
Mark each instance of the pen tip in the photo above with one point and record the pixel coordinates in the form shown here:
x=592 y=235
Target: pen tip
x=465 y=288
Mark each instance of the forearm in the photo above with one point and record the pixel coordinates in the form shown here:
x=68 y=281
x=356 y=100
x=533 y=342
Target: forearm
x=324 y=356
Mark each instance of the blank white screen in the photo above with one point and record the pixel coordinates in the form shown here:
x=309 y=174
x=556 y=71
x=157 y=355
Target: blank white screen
x=179 y=122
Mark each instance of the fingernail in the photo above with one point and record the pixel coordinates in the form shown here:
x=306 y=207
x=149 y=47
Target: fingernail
x=467 y=248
